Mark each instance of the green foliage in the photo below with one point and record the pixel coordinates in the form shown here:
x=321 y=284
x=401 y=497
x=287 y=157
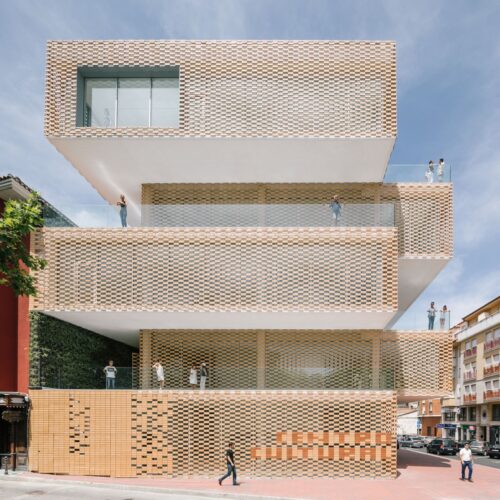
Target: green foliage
x=18 y=220
x=63 y=355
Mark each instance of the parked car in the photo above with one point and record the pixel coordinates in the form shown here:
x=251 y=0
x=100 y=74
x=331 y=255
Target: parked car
x=412 y=442
x=462 y=443
x=479 y=447
x=427 y=440
x=494 y=451
x=442 y=446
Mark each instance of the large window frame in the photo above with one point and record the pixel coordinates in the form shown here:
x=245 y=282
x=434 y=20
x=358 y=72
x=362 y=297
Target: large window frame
x=151 y=75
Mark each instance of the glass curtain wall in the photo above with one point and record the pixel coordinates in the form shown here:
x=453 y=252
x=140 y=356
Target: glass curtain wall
x=131 y=102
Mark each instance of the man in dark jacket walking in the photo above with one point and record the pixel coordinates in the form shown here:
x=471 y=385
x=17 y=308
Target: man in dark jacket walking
x=231 y=466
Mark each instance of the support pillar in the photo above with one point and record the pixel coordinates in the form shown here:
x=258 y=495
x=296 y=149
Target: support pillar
x=261 y=359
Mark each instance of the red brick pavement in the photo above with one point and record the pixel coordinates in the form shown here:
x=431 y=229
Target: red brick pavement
x=420 y=477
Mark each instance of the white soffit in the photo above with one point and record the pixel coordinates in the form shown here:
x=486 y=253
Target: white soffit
x=125 y=325
x=121 y=165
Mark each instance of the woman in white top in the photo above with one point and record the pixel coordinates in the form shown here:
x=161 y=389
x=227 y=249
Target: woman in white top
x=193 y=377
x=159 y=374
x=443 y=316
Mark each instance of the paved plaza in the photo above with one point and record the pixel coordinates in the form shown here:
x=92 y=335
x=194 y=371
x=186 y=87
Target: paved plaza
x=420 y=477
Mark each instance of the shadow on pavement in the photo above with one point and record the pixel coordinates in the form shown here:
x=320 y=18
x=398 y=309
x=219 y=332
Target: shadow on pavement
x=415 y=459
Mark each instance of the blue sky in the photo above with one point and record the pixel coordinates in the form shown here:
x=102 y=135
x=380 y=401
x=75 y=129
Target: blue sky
x=448 y=96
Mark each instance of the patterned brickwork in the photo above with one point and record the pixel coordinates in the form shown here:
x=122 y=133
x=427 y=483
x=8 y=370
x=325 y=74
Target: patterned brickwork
x=423 y=212
x=179 y=433
x=303 y=359
x=242 y=88
x=218 y=269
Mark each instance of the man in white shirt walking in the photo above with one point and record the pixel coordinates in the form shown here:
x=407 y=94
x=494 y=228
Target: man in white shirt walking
x=466 y=461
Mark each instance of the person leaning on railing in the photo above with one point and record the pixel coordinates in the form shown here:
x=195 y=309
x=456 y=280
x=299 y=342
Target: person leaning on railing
x=336 y=208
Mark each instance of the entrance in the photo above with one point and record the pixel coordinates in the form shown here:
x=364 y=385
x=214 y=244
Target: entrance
x=14 y=430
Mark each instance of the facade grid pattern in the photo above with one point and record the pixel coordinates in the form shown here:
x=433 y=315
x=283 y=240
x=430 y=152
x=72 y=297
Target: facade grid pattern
x=241 y=88
x=184 y=433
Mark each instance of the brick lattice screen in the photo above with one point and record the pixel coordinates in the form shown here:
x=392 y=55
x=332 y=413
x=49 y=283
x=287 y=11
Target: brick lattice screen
x=218 y=269
x=303 y=359
x=241 y=88
x=423 y=212
x=277 y=433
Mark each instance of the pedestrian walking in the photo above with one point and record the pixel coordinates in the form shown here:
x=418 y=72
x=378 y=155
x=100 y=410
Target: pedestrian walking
x=336 y=209
x=122 y=203
x=429 y=173
x=160 y=376
x=431 y=315
x=193 y=377
x=110 y=372
x=443 y=315
x=466 y=462
x=231 y=465
x=203 y=376
x=440 y=170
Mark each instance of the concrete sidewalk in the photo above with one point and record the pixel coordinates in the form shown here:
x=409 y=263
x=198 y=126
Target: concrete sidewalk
x=420 y=477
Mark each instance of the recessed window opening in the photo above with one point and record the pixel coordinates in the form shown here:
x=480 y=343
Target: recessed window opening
x=131 y=102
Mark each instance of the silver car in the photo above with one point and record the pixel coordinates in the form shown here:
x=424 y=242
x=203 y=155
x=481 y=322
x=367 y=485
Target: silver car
x=479 y=447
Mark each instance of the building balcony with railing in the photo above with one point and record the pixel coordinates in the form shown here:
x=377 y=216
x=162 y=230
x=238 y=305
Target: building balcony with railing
x=492 y=395
x=470 y=398
x=490 y=370
x=469 y=353
x=470 y=375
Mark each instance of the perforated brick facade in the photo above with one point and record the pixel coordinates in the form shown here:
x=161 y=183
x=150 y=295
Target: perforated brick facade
x=217 y=269
x=179 y=433
x=423 y=213
x=302 y=359
x=241 y=88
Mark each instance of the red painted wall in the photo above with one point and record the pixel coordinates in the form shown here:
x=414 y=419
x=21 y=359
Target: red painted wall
x=14 y=339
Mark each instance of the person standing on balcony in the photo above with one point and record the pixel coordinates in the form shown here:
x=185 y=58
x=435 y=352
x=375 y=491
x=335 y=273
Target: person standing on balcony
x=110 y=372
x=160 y=376
x=431 y=315
x=466 y=461
x=193 y=377
x=336 y=209
x=122 y=203
x=440 y=170
x=443 y=314
x=429 y=173
x=203 y=376
x=231 y=466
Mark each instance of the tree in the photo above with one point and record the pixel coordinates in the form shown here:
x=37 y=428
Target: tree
x=18 y=220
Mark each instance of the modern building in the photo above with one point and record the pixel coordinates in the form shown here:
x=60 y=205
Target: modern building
x=229 y=154
x=475 y=407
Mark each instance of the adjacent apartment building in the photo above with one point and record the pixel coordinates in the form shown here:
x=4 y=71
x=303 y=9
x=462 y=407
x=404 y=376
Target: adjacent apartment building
x=229 y=154
x=474 y=411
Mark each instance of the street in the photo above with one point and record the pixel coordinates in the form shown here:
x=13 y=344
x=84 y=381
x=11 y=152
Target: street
x=478 y=459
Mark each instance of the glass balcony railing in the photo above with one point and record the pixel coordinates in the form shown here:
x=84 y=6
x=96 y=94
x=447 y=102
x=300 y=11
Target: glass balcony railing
x=421 y=322
x=238 y=215
x=221 y=378
x=418 y=173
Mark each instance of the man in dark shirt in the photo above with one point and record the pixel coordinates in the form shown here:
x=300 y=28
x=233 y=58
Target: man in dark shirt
x=231 y=466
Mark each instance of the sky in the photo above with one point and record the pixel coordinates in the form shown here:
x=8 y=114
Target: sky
x=448 y=66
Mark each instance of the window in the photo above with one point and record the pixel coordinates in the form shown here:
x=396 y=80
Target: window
x=488 y=386
x=472 y=414
x=496 y=413
x=131 y=102
x=430 y=406
x=462 y=414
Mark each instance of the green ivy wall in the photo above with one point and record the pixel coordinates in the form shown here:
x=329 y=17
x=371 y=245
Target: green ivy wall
x=63 y=355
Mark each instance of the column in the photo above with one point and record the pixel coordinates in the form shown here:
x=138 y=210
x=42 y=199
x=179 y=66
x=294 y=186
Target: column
x=261 y=359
